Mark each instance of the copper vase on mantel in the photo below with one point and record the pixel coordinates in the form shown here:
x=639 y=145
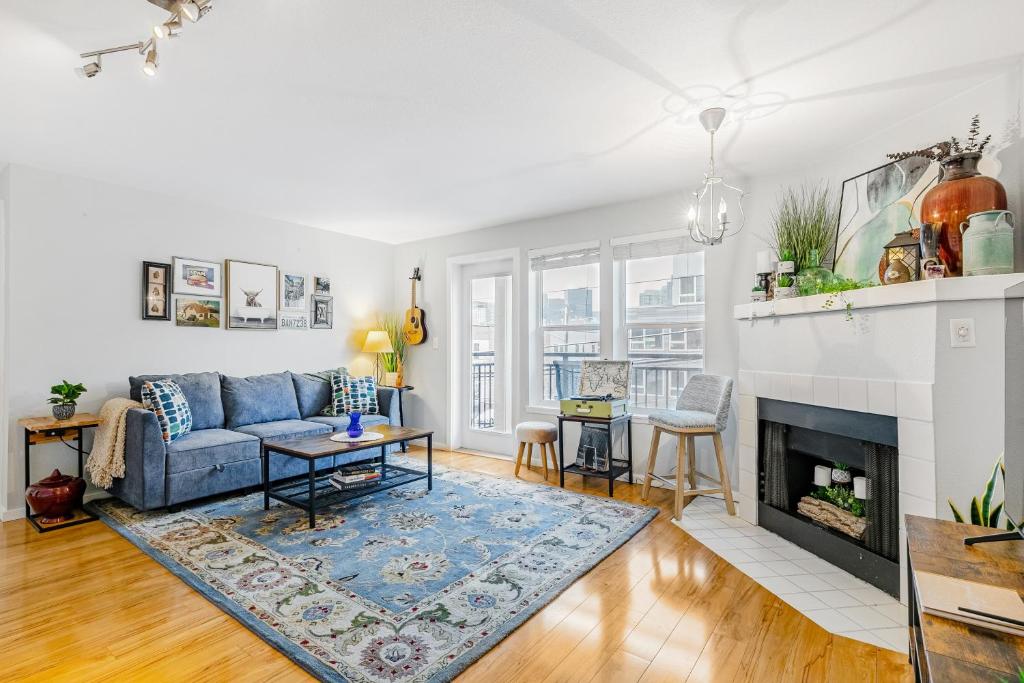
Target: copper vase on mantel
x=961 y=191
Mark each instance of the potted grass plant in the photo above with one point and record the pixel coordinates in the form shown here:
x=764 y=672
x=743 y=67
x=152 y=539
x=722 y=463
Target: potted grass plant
x=804 y=221
x=65 y=399
x=393 y=363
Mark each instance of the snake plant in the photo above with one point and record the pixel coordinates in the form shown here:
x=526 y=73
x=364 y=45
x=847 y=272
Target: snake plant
x=983 y=513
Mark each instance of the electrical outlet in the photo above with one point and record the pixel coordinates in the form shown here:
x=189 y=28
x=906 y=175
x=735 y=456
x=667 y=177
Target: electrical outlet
x=961 y=332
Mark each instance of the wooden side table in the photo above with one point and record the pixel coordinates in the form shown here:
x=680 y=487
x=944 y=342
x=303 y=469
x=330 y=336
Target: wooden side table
x=616 y=468
x=49 y=430
x=944 y=649
x=401 y=410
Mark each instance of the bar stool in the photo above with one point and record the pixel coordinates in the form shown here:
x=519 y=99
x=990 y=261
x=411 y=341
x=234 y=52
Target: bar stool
x=542 y=433
x=702 y=410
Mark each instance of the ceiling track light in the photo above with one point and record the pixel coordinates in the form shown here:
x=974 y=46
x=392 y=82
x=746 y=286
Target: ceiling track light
x=91 y=69
x=150 y=66
x=168 y=28
x=193 y=10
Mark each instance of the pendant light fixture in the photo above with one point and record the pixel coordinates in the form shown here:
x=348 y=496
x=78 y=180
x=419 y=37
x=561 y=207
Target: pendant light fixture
x=708 y=217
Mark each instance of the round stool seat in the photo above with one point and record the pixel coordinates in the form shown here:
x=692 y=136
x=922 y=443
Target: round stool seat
x=536 y=432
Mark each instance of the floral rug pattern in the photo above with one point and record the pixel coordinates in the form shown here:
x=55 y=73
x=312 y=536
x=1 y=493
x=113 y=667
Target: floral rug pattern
x=399 y=586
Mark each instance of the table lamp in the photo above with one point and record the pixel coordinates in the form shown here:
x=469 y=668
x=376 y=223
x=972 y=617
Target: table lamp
x=378 y=342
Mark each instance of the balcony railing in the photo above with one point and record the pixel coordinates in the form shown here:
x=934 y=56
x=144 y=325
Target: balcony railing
x=482 y=380
x=656 y=380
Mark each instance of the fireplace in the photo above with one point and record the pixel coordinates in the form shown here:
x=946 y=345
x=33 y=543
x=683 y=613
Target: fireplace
x=857 y=533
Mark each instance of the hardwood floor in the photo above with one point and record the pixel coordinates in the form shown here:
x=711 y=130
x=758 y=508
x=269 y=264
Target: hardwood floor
x=83 y=604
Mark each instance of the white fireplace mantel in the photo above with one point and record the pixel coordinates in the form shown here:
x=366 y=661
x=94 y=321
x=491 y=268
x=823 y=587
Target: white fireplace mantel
x=921 y=292
x=894 y=355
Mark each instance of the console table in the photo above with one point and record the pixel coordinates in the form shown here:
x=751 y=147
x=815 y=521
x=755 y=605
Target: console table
x=49 y=430
x=944 y=649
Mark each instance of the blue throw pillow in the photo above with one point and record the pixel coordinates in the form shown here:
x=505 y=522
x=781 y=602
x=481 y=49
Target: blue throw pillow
x=201 y=389
x=354 y=393
x=164 y=398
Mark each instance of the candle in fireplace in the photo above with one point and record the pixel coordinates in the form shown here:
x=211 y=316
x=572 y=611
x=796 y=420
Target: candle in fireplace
x=822 y=475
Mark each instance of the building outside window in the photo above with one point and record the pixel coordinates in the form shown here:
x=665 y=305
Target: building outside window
x=662 y=319
x=569 y=330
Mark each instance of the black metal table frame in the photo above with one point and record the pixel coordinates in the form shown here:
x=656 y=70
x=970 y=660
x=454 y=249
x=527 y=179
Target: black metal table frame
x=56 y=432
x=611 y=475
x=338 y=496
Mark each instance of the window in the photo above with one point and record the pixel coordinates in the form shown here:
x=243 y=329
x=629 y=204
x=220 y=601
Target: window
x=569 y=318
x=661 y=319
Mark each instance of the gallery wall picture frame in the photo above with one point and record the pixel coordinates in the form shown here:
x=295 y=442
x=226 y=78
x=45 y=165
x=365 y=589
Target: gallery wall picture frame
x=294 y=288
x=156 y=292
x=873 y=207
x=321 y=285
x=321 y=312
x=294 y=320
x=251 y=295
x=192 y=312
x=198 y=278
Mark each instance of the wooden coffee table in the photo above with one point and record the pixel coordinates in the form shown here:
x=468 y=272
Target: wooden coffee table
x=313 y=491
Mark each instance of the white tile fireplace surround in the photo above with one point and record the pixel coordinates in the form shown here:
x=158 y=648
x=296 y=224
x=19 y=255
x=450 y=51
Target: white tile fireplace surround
x=895 y=357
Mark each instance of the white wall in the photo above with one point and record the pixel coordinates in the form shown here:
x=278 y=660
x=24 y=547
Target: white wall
x=75 y=252
x=730 y=266
x=5 y=177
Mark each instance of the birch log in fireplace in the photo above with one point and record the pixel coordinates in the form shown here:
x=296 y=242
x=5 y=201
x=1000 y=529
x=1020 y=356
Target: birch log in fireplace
x=938 y=413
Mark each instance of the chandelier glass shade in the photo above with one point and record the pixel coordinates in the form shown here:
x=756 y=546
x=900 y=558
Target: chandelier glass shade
x=708 y=218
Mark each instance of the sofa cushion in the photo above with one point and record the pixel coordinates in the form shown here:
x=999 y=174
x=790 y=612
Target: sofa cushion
x=261 y=398
x=209 y=447
x=339 y=423
x=165 y=399
x=350 y=393
x=284 y=429
x=313 y=393
x=201 y=389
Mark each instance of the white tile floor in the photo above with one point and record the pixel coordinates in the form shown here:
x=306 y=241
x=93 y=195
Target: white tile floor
x=834 y=599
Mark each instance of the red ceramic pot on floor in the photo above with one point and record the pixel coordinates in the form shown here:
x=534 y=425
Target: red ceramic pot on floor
x=55 y=498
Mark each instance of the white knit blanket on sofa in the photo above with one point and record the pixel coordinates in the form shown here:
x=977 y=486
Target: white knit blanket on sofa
x=106 y=460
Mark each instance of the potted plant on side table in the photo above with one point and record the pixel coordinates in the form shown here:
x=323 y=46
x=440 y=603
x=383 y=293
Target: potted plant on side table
x=65 y=399
x=393 y=363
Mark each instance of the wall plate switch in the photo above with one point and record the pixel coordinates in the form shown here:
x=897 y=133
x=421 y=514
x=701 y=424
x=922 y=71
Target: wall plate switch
x=961 y=332
x=435 y=342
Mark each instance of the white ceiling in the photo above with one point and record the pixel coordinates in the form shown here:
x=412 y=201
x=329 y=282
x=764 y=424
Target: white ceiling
x=406 y=119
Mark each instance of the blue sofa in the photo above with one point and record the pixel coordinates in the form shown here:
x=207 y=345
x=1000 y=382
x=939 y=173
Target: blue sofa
x=231 y=416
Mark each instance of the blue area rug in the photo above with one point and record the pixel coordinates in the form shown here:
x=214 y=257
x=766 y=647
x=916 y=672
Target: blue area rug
x=399 y=586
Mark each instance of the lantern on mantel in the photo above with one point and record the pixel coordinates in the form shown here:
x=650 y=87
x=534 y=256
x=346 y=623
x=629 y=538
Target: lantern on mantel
x=903 y=256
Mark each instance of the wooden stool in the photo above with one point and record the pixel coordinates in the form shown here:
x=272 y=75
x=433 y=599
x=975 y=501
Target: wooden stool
x=702 y=410
x=543 y=433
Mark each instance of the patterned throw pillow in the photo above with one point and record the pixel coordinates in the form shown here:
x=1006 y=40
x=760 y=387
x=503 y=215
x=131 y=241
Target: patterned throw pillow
x=350 y=393
x=164 y=398
x=328 y=376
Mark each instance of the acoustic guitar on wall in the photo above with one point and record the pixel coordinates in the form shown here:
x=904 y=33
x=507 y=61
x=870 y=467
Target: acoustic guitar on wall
x=414 y=329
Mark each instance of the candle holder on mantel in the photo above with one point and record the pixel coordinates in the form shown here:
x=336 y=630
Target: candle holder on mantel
x=903 y=255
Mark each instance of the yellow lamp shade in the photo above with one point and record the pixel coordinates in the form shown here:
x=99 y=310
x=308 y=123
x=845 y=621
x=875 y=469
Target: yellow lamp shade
x=377 y=341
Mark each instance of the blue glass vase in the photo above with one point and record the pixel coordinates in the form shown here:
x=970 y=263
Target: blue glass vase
x=355 y=429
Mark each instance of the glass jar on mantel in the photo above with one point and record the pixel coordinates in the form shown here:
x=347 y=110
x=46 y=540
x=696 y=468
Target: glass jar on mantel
x=961 y=191
x=813 y=279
